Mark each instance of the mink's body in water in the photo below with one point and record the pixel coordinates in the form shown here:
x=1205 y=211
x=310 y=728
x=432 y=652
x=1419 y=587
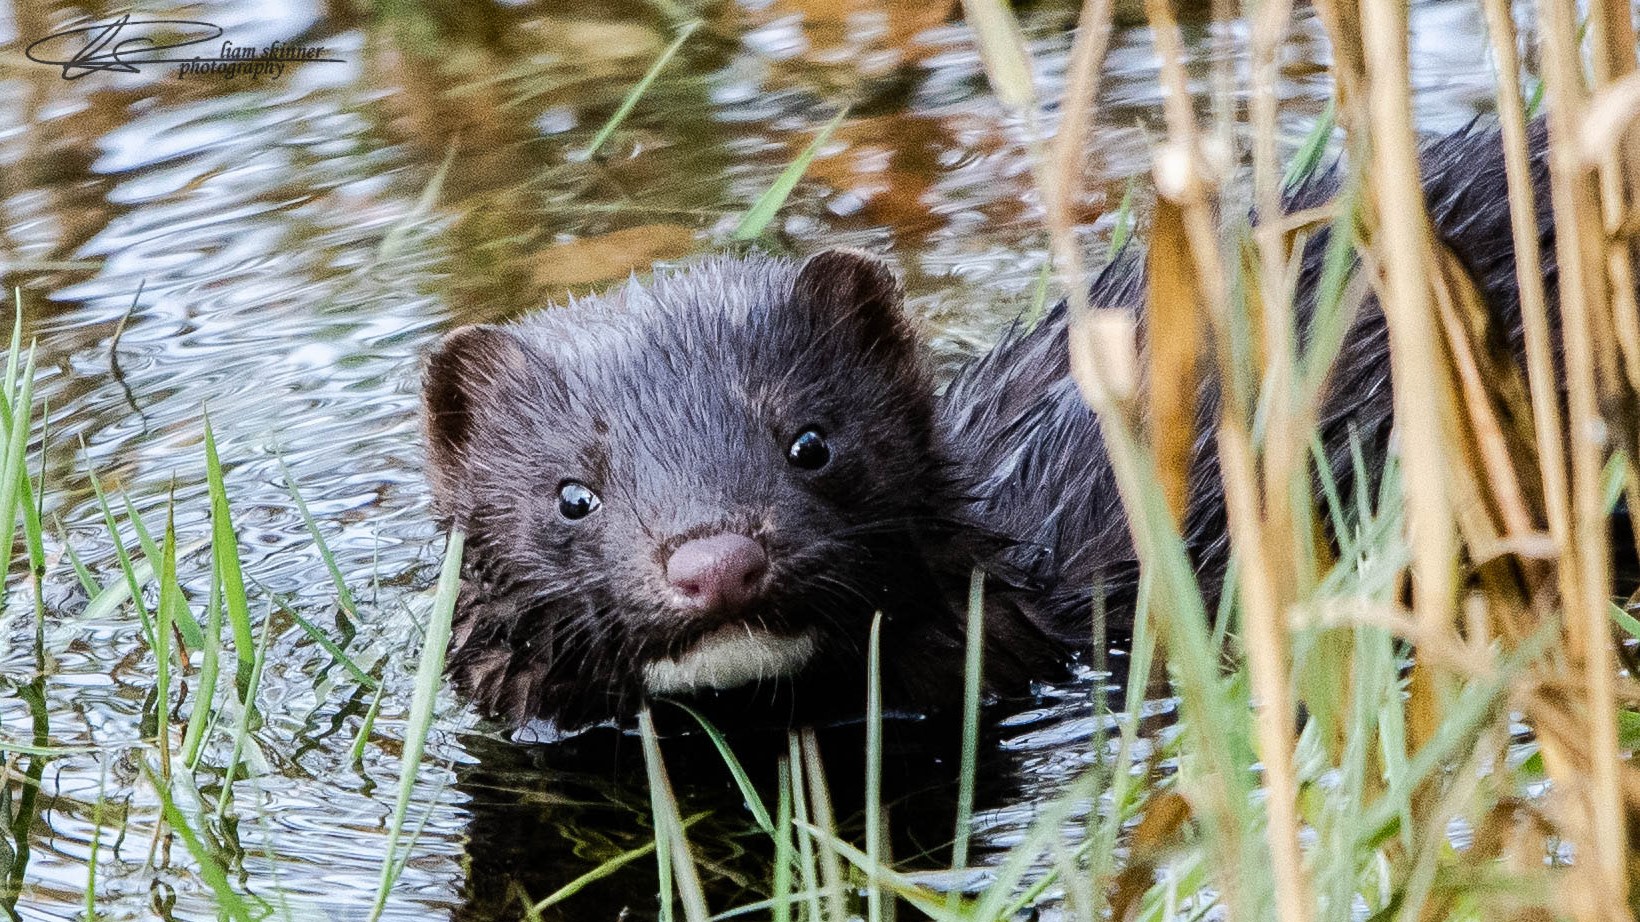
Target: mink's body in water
x=706 y=487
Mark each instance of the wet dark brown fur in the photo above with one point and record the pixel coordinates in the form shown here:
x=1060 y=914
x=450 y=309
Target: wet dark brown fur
x=676 y=402
x=1044 y=474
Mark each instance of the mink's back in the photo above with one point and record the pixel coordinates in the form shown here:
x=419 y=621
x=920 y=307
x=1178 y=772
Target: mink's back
x=1035 y=448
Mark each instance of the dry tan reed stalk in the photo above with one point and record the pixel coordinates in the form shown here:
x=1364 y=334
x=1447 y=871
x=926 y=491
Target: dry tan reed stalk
x=1222 y=55
x=1582 y=300
x=1109 y=332
x=1270 y=20
x=1342 y=20
x=1103 y=356
x=1069 y=152
x=1266 y=642
x=1404 y=246
x=1289 y=407
x=1607 y=133
x=1611 y=35
x=1180 y=177
x=1102 y=338
x=1606 y=139
x=1542 y=378
x=1287 y=429
x=1002 y=51
x=1483 y=377
x=1442 y=647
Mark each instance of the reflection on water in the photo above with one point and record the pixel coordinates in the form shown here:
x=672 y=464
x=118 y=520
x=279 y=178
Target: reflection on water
x=297 y=243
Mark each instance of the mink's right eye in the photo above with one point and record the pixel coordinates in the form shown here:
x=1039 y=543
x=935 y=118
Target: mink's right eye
x=809 y=450
x=576 y=500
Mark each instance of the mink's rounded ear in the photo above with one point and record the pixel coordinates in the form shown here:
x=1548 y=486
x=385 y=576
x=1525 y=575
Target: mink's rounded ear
x=853 y=290
x=470 y=363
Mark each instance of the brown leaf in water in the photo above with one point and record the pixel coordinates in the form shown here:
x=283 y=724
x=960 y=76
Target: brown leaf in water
x=612 y=255
x=604 y=46
x=1159 y=831
x=889 y=163
x=894 y=25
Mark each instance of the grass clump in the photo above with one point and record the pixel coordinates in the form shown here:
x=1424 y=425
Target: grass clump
x=196 y=746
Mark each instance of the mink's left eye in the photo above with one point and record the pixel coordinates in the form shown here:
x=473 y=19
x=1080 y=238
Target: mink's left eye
x=576 y=500
x=809 y=450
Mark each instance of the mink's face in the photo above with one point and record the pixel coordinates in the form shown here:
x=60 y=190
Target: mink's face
x=706 y=484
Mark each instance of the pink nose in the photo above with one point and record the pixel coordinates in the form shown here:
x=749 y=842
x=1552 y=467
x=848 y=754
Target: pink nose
x=718 y=573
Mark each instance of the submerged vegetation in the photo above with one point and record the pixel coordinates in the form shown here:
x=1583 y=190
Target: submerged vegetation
x=1463 y=673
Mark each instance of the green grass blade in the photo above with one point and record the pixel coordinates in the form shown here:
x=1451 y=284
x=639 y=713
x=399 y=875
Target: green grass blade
x=781 y=887
x=1467 y=716
x=806 y=863
x=603 y=870
x=1626 y=621
x=757 y=219
x=1612 y=479
x=95 y=845
x=921 y=898
x=176 y=602
x=229 y=902
x=1122 y=230
x=225 y=550
x=247 y=710
x=15 y=350
x=1307 y=159
x=393 y=241
x=33 y=501
x=1039 y=295
x=754 y=802
x=874 y=765
x=429 y=677
x=1534 y=103
x=209 y=666
x=819 y=792
x=106 y=601
x=8 y=746
x=88 y=582
x=323 y=640
x=344 y=597
x=15 y=471
x=366 y=726
x=669 y=826
x=1125 y=795
x=637 y=91
x=168 y=591
x=973 y=666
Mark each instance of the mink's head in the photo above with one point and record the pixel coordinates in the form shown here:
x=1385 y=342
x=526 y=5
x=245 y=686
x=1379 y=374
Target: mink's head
x=708 y=483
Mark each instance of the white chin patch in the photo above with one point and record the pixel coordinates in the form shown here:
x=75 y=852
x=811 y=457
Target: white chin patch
x=731 y=656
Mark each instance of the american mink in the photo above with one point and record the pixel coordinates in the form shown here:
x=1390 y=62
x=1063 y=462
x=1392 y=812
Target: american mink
x=706 y=486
